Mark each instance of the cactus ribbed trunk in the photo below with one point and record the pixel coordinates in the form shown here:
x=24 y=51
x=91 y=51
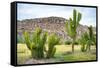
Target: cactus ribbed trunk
x=73 y=44
x=72 y=47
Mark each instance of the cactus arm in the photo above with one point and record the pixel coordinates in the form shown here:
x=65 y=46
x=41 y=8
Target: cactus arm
x=74 y=17
x=27 y=40
x=67 y=27
x=43 y=38
x=53 y=40
x=78 y=18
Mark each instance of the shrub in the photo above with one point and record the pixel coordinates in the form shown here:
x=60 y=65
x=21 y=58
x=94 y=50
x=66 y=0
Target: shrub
x=76 y=42
x=68 y=42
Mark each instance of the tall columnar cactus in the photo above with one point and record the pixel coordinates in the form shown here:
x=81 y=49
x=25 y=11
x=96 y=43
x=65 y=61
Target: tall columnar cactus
x=72 y=25
x=36 y=43
x=53 y=40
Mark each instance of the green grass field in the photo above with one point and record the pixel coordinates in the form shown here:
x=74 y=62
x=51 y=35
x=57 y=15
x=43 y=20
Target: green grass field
x=63 y=54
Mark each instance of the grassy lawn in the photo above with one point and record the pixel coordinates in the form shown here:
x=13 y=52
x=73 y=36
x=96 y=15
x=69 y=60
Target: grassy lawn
x=63 y=54
x=23 y=54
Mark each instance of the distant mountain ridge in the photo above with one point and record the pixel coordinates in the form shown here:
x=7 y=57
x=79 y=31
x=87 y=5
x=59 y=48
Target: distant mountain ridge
x=50 y=24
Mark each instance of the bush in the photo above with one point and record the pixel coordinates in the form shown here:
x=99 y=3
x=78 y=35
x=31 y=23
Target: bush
x=67 y=42
x=76 y=42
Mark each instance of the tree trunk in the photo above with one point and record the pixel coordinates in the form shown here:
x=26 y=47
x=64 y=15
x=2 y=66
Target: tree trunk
x=73 y=44
x=89 y=47
x=73 y=47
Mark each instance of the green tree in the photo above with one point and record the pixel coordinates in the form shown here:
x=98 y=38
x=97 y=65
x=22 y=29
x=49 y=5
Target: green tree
x=72 y=25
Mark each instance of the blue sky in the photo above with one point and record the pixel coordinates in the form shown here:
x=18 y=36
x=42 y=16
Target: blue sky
x=30 y=11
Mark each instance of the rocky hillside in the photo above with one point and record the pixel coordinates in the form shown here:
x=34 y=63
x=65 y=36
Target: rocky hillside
x=49 y=24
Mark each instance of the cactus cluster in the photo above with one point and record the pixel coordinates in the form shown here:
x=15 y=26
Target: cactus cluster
x=36 y=44
x=83 y=41
x=87 y=39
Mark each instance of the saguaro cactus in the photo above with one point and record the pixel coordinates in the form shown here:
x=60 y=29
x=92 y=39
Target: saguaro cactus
x=36 y=43
x=52 y=41
x=72 y=25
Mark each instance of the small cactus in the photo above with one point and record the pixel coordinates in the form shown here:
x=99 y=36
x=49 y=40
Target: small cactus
x=87 y=39
x=53 y=40
x=83 y=40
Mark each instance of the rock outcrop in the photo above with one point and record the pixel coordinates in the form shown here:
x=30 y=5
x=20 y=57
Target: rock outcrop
x=49 y=24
